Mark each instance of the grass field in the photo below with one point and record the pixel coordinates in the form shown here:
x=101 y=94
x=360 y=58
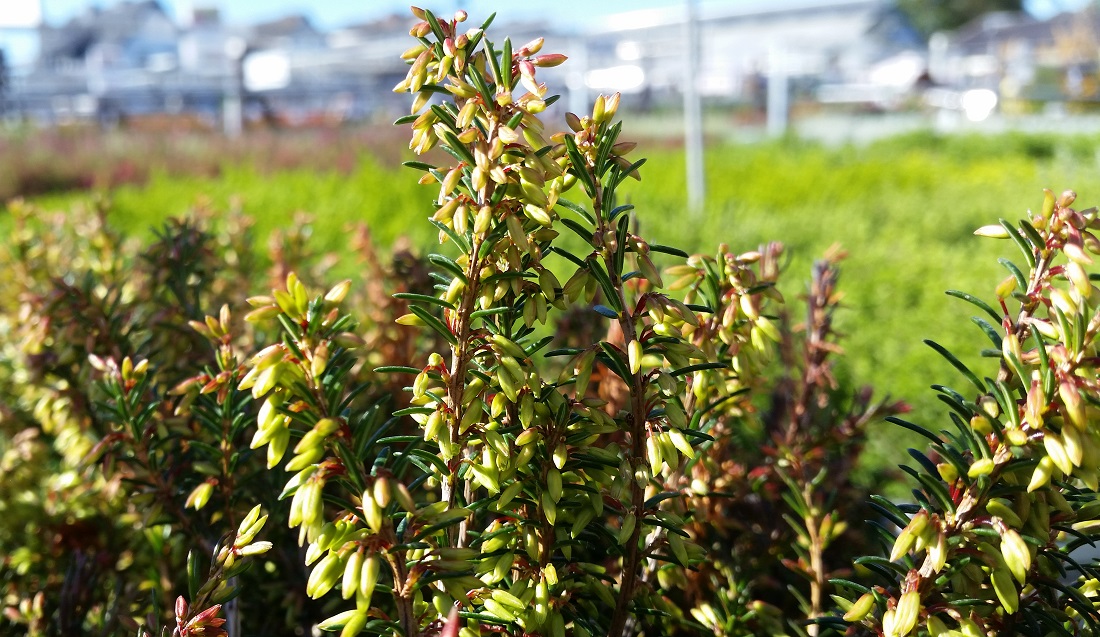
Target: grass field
x=904 y=209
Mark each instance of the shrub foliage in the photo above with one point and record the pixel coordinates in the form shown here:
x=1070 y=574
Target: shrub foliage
x=515 y=435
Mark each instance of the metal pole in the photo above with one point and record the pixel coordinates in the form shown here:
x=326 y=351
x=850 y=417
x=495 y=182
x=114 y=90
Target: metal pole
x=778 y=92
x=693 y=111
x=233 y=89
x=578 y=91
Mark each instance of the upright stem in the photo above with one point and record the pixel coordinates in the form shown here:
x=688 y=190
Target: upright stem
x=632 y=560
x=460 y=360
x=817 y=561
x=402 y=596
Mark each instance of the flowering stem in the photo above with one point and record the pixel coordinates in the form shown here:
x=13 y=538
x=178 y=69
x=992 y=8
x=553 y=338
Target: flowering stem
x=632 y=560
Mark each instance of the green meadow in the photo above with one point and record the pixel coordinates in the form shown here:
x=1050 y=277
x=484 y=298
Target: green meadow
x=904 y=210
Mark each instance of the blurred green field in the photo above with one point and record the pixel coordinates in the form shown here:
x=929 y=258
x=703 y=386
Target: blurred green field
x=903 y=208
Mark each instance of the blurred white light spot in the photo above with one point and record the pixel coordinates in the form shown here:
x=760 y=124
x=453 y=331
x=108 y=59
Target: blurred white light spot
x=21 y=14
x=266 y=71
x=978 y=104
x=627 y=78
x=628 y=50
x=901 y=71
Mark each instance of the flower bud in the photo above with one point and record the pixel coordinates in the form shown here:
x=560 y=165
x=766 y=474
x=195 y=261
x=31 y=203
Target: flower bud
x=634 y=354
x=1073 y=406
x=368 y=578
x=1016 y=555
x=1056 y=451
x=338 y=291
x=323 y=577
x=1041 y=476
x=352 y=572
x=993 y=231
x=553 y=484
x=200 y=495
x=861 y=608
x=981 y=467
x=906 y=613
x=599 y=113
x=549 y=60
x=627 y=528
x=1005 y=589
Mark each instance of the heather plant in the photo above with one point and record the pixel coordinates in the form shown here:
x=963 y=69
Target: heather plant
x=772 y=496
x=529 y=432
x=995 y=540
x=119 y=472
x=526 y=505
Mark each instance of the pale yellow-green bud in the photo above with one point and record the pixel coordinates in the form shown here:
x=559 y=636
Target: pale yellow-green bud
x=368 y=578
x=372 y=512
x=549 y=507
x=1005 y=589
x=355 y=624
x=861 y=608
x=560 y=455
x=554 y=484
x=981 y=467
x=634 y=355
x=599 y=110
x=1076 y=253
x=324 y=576
x=1056 y=451
x=906 y=613
x=200 y=495
x=1074 y=407
x=1002 y=508
x=936 y=627
x=627 y=528
x=352 y=572
x=1016 y=555
x=993 y=231
x=1041 y=476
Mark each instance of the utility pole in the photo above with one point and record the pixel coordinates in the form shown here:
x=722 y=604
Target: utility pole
x=233 y=88
x=693 y=111
x=3 y=82
x=578 y=90
x=778 y=91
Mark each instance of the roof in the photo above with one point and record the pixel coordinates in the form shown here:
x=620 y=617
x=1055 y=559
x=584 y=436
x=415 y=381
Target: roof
x=115 y=24
x=283 y=27
x=998 y=26
x=754 y=9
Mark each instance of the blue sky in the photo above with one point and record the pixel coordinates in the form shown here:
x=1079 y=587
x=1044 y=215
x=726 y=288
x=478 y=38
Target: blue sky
x=333 y=13
x=327 y=14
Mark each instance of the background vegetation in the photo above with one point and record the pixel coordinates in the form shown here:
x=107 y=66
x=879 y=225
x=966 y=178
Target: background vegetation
x=904 y=208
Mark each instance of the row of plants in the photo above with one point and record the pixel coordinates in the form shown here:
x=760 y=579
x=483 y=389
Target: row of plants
x=53 y=161
x=535 y=430
x=901 y=207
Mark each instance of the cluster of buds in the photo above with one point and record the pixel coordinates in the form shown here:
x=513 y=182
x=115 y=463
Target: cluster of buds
x=301 y=383
x=125 y=376
x=509 y=440
x=742 y=329
x=218 y=331
x=272 y=373
x=1025 y=466
x=200 y=617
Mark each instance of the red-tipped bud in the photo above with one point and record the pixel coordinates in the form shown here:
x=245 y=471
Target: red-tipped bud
x=550 y=60
x=532 y=47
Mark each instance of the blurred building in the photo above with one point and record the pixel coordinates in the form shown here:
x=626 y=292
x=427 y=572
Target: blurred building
x=809 y=43
x=1022 y=58
x=133 y=59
